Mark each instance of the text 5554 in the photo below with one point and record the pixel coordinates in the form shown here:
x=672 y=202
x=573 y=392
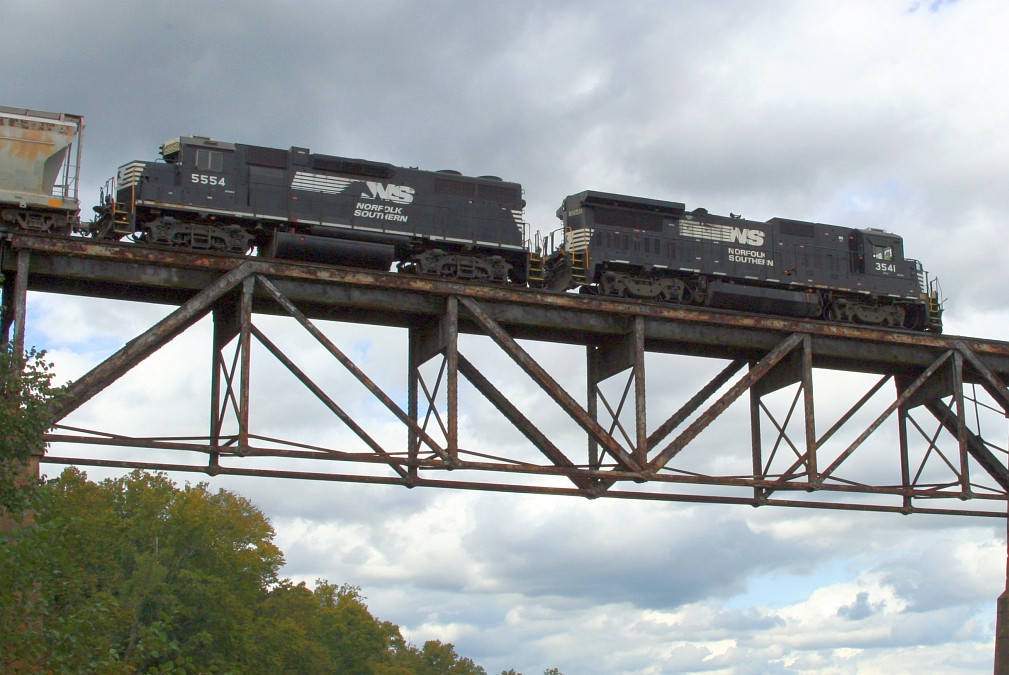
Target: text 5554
x=204 y=179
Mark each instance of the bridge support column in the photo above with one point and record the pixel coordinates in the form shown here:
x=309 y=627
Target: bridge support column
x=1002 y=623
x=15 y=300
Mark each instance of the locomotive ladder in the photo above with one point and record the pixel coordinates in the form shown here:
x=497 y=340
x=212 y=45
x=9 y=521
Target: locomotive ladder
x=578 y=246
x=123 y=220
x=579 y=266
x=534 y=268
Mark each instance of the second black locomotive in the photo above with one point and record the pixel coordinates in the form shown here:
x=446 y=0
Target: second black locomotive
x=656 y=250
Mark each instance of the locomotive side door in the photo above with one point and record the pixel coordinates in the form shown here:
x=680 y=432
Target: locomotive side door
x=795 y=261
x=208 y=176
x=267 y=194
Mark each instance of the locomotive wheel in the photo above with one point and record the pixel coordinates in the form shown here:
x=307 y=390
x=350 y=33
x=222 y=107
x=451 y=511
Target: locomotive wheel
x=914 y=318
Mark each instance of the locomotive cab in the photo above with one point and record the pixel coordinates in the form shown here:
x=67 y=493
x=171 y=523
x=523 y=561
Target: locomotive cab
x=205 y=172
x=879 y=253
x=188 y=200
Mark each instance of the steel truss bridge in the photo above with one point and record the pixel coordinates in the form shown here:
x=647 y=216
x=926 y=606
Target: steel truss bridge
x=927 y=433
x=907 y=422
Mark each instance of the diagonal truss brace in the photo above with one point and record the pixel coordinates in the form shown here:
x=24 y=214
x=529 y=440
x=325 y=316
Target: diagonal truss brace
x=549 y=385
x=101 y=376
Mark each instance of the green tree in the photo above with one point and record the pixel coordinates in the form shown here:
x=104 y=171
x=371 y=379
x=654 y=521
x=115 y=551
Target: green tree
x=55 y=615
x=437 y=658
x=356 y=640
x=177 y=573
x=135 y=574
x=284 y=631
x=26 y=397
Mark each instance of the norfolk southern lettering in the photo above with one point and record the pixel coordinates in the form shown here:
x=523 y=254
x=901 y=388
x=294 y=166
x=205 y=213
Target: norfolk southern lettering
x=749 y=256
x=380 y=212
x=729 y=233
x=398 y=194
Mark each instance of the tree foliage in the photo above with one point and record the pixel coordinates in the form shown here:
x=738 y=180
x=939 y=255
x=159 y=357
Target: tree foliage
x=26 y=397
x=135 y=574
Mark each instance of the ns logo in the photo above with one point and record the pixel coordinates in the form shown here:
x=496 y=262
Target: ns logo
x=744 y=236
x=400 y=194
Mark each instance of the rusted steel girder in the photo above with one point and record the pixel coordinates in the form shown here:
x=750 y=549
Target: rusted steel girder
x=123 y=271
x=550 y=386
x=622 y=455
x=352 y=367
x=622 y=459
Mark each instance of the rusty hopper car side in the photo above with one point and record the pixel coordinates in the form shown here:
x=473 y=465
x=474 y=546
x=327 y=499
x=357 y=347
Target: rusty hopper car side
x=40 y=156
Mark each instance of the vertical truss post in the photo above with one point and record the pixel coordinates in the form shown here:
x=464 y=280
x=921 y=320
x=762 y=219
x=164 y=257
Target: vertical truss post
x=450 y=335
x=226 y=327
x=216 y=364
x=641 y=444
x=905 y=460
x=809 y=411
x=961 y=410
x=245 y=337
x=16 y=315
x=6 y=311
x=16 y=300
x=620 y=354
x=414 y=362
x=755 y=445
x=1002 y=621
x=426 y=343
x=592 y=400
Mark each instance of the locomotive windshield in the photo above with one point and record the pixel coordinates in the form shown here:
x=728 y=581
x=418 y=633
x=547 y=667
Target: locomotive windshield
x=209 y=160
x=882 y=252
x=883 y=247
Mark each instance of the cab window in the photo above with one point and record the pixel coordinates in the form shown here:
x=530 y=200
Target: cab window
x=882 y=252
x=209 y=160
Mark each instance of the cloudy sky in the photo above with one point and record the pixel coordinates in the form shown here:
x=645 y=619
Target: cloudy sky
x=864 y=113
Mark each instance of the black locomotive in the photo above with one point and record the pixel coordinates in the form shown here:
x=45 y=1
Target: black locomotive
x=648 y=249
x=209 y=195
